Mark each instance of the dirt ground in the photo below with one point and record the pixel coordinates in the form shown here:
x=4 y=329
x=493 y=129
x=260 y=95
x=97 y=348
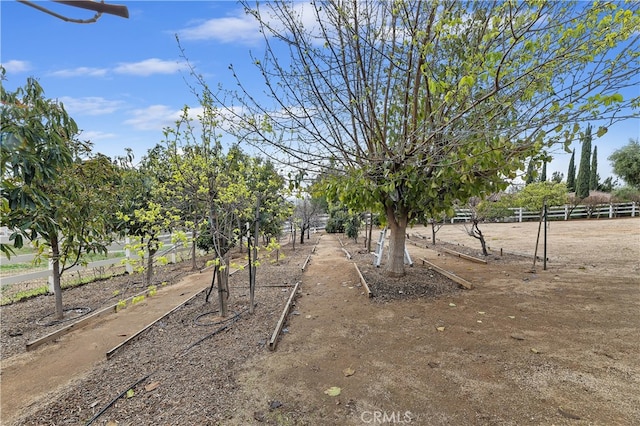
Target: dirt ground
x=523 y=347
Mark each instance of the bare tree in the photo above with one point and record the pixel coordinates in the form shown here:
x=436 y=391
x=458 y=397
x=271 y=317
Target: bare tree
x=415 y=104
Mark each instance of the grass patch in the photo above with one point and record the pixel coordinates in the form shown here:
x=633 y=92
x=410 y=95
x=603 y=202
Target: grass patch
x=43 y=290
x=20 y=267
x=30 y=266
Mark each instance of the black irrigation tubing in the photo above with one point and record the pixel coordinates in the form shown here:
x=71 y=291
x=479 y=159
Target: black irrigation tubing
x=228 y=324
x=113 y=401
x=196 y=320
x=85 y=310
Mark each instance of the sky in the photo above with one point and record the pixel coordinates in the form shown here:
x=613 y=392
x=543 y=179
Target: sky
x=124 y=80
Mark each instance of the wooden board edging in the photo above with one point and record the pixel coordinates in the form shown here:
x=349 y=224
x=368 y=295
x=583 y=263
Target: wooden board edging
x=363 y=282
x=464 y=283
x=305 y=263
x=346 y=252
x=464 y=256
x=274 y=337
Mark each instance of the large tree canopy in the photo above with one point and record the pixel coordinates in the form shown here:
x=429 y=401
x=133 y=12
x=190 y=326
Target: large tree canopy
x=418 y=103
x=53 y=192
x=626 y=163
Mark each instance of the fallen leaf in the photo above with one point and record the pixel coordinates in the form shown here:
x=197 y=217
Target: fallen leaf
x=333 y=391
x=348 y=372
x=535 y=351
x=481 y=312
x=440 y=328
x=452 y=304
x=480 y=322
x=308 y=316
x=152 y=386
x=568 y=414
x=517 y=337
x=512 y=317
x=130 y=393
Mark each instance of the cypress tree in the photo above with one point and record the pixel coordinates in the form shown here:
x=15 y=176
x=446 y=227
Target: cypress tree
x=571 y=174
x=543 y=175
x=529 y=178
x=593 y=181
x=584 y=174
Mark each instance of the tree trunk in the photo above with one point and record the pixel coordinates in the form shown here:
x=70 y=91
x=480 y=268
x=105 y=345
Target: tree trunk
x=302 y=229
x=253 y=257
x=194 y=264
x=151 y=250
x=223 y=286
x=398 y=225
x=293 y=229
x=370 y=232
x=477 y=233
x=433 y=232
x=57 y=287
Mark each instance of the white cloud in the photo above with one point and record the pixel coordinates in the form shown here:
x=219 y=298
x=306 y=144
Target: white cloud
x=155 y=117
x=15 y=66
x=81 y=72
x=241 y=28
x=149 y=67
x=94 y=136
x=92 y=105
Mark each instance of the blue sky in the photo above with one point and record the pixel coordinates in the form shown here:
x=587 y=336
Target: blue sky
x=123 y=80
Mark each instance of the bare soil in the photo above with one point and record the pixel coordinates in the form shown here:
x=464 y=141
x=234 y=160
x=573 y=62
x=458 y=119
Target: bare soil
x=525 y=346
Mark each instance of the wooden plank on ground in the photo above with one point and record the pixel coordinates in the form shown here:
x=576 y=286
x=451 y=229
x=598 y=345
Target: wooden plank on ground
x=464 y=283
x=464 y=256
x=363 y=282
x=306 y=262
x=274 y=337
x=346 y=253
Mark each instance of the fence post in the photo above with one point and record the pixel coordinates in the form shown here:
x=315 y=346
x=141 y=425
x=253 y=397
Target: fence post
x=610 y=211
x=127 y=252
x=173 y=250
x=633 y=209
x=520 y=214
x=50 y=278
x=566 y=212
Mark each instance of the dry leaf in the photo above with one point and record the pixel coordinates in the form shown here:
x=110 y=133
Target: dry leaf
x=452 y=304
x=512 y=317
x=152 y=386
x=333 y=391
x=440 y=328
x=481 y=312
x=349 y=372
x=535 y=351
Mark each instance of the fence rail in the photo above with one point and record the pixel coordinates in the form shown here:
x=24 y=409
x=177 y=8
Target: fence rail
x=566 y=212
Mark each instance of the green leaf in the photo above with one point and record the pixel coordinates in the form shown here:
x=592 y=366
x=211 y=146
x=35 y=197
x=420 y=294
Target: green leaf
x=601 y=131
x=333 y=391
x=130 y=393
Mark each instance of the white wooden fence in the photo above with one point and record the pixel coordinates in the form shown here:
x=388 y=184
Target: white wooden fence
x=565 y=212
